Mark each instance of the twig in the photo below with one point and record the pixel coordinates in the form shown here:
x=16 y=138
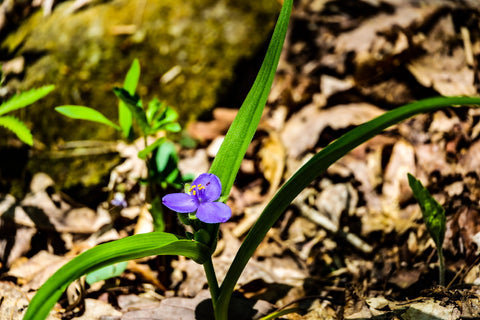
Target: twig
x=316 y=217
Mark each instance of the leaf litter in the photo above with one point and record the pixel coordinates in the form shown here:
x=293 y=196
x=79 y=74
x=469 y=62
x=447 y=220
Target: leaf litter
x=353 y=244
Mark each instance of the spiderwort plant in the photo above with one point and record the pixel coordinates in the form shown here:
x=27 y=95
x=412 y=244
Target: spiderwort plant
x=225 y=166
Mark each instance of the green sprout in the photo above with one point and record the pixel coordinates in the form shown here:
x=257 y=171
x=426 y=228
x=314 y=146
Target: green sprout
x=160 y=156
x=434 y=218
x=19 y=101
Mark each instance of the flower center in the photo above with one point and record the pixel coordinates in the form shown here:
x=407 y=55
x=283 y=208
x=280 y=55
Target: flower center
x=196 y=190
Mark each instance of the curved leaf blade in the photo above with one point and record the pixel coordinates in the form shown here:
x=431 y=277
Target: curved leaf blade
x=17 y=127
x=25 y=98
x=142 y=154
x=133 y=103
x=133 y=247
x=233 y=149
x=314 y=168
x=433 y=213
x=85 y=113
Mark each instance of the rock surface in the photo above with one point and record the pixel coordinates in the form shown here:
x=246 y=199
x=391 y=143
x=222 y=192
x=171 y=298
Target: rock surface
x=191 y=54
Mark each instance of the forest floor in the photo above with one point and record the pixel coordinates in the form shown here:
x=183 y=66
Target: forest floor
x=353 y=245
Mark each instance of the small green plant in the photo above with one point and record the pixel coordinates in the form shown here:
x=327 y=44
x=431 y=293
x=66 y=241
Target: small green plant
x=156 y=117
x=433 y=217
x=208 y=190
x=20 y=101
x=160 y=156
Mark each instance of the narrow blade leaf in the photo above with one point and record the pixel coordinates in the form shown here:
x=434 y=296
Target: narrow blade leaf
x=132 y=102
x=433 y=213
x=85 y=113
x=229 y=157
x=132 y=77
x=130 y=84
x=150 y=148
x=133 y=247
x=314 y=168
x=25 y=98
x=17 y=127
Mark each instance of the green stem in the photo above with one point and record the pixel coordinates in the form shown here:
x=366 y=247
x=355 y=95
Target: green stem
x=212 y=281
x=145 y=142
x=441 y=265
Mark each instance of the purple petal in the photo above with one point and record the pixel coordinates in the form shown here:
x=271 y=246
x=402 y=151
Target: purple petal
x=212 y=185
x=180 y=202
x=119 y=200
x=213 y=212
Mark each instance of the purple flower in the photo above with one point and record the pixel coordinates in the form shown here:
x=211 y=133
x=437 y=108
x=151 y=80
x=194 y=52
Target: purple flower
x=201 y=197
x=119 y=200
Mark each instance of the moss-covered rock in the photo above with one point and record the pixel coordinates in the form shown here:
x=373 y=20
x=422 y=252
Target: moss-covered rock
x=188 y=51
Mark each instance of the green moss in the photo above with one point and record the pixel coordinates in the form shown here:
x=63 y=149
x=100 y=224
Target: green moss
x=85 y=58
x=85 y=55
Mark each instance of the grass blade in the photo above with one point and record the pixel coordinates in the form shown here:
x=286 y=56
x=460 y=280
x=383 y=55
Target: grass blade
x=434 y=219
x=124 y=114
x=232 y=151
x=133 y=247
x=230 y=155
x=85 y=113
x=315 y=167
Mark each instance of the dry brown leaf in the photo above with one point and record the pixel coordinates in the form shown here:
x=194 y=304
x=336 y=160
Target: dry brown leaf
x=449 y=75
x=195 y=162
x=131 y=302
x=371 y=40
x=302 y=131
x=97 y=309
x=14 y=302
x=198 y=308
x=222 y=118
x=272 y=161
x=470 y=161
x=431 y=309
x=395 y=187
x=336 y=199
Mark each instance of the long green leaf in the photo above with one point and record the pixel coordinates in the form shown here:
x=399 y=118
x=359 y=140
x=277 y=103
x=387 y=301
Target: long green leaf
x=17 y=127
x=313 y=169
x=133 y=103
x=124 y=114
x=133 y=247
x=24 y=99
x=433 y=213
x=230 y=155
x=233 y=149
x=86 y=113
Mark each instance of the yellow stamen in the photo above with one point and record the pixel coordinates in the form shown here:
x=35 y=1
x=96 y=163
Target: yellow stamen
x=192 y=188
